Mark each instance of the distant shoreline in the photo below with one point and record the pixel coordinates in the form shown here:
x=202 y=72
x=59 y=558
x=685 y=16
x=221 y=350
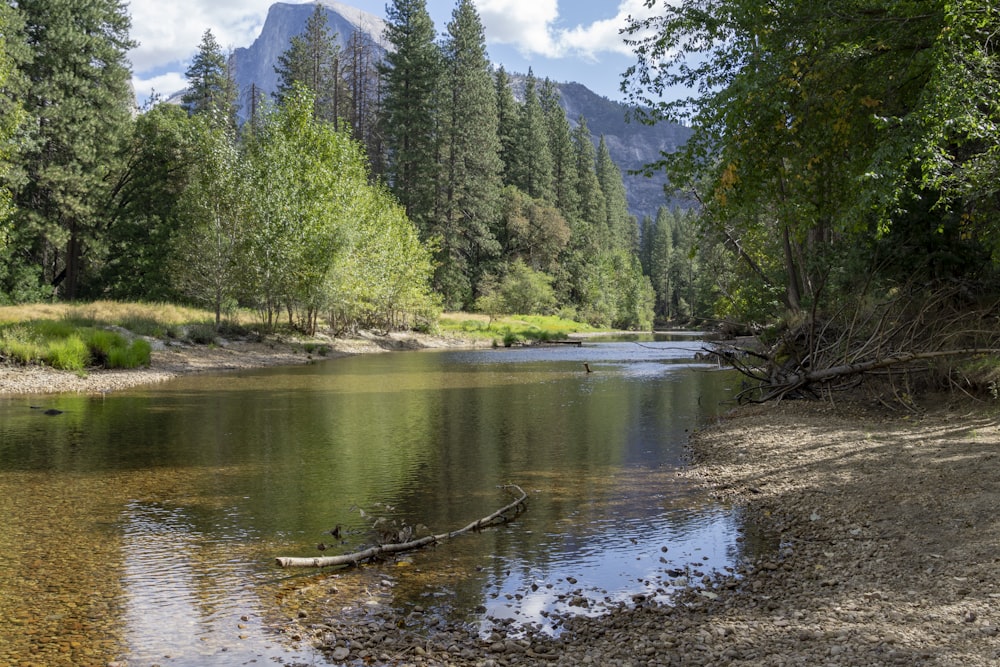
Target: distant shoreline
x=169 y=361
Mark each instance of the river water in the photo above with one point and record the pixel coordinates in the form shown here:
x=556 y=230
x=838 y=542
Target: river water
x=143 y=525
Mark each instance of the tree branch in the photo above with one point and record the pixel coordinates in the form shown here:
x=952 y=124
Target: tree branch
x=382 y=549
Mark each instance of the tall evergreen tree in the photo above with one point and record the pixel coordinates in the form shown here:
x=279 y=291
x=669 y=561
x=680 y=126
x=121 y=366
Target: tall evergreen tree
x=531 y=167
x=365 y=88
x=507 y=119
x=80 y=101
x=11 y=113
x=413 y=75
x=622 y=229
x=593 y=211
x=313 y=59
x=211 y=87
x=564 y=176
x=471 y=179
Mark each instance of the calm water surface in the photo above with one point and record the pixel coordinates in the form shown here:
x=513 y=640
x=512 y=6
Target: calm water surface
x=143 y=524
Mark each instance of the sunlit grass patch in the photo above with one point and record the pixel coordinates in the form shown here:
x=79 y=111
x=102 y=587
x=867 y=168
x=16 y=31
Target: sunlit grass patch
x=67 y=346
x=68 y=354
x=511 y=329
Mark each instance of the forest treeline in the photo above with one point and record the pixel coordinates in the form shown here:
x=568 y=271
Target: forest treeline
x=374 y=188
x=848 y=155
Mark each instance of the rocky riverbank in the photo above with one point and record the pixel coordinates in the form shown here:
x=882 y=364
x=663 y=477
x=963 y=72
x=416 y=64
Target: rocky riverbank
x=886 y=534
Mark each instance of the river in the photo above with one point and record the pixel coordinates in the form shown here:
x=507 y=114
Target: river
x=142 y=525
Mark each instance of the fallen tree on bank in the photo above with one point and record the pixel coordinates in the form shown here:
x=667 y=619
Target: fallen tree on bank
x=502 y=515
x=894 y=341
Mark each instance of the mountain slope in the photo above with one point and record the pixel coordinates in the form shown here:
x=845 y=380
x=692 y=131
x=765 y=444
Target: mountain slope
x=631 y=145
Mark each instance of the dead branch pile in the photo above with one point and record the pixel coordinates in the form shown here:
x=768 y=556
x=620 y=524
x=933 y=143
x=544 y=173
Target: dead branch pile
x=385 y=548
x=893 y=340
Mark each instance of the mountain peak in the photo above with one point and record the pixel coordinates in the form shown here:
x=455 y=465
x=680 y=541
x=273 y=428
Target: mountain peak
x=631 y=145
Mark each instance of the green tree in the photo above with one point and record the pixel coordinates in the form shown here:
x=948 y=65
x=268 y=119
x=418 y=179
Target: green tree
x=11 y=113
x=622 y=229
x=413 y=76
x=508 y=113
x=526 y=291
x=471 y=169
x=313 y=60
x=593 y=209
x=535 y=232
x=79 y=98
x=530 y=169
x=207 y=261
x=382 y=277
x=564 y=175
x=306 y=179
x=211 y=86
x=362 y=56
x=824 y=127
x=146 y=212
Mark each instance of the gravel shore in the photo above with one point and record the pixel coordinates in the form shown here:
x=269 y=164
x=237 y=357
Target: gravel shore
x=886 y=534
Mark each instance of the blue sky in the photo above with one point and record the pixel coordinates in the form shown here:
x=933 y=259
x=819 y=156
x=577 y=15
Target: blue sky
x=565 y=40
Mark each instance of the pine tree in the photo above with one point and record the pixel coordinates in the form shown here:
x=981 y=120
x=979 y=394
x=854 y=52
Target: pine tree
x=531 y=165
x=413 y=75
x=507 y=119
x=211 y=87
x=11 y=113
x=80 y=101
x=593 y=211
x=564 y=176
x=471 y=170
x=365 y=95
x=313 y=59
x=621 y=227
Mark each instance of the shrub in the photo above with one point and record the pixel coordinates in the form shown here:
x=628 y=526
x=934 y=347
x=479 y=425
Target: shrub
x=201 y=334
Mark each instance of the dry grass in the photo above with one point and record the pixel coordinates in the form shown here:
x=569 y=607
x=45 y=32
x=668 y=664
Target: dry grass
x=107 y=313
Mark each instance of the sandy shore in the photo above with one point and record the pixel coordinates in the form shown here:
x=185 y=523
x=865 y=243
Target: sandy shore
x=178 y=358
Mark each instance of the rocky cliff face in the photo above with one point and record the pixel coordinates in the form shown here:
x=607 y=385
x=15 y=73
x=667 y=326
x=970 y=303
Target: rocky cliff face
x=254 y=65
x=631 y=145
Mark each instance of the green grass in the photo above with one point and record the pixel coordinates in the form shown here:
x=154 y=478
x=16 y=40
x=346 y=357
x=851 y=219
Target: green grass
x=67 y=346
x=511 y=329
x=68 y=354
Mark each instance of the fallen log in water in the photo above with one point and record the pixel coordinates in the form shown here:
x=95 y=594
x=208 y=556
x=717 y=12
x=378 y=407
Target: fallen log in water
x=381 y=549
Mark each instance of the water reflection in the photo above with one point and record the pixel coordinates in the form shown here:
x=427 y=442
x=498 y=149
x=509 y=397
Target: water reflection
x=203 y=480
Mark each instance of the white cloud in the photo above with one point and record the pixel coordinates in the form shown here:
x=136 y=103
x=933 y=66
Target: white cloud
x=526 y=24
x=533 y=27
x=164 y=85
x=169 y=32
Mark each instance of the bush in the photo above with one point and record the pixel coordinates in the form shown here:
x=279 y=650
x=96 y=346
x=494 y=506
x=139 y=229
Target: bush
x=201 y=334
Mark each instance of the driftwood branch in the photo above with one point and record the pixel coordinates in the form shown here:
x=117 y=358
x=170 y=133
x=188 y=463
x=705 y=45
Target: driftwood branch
x=383 y=549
